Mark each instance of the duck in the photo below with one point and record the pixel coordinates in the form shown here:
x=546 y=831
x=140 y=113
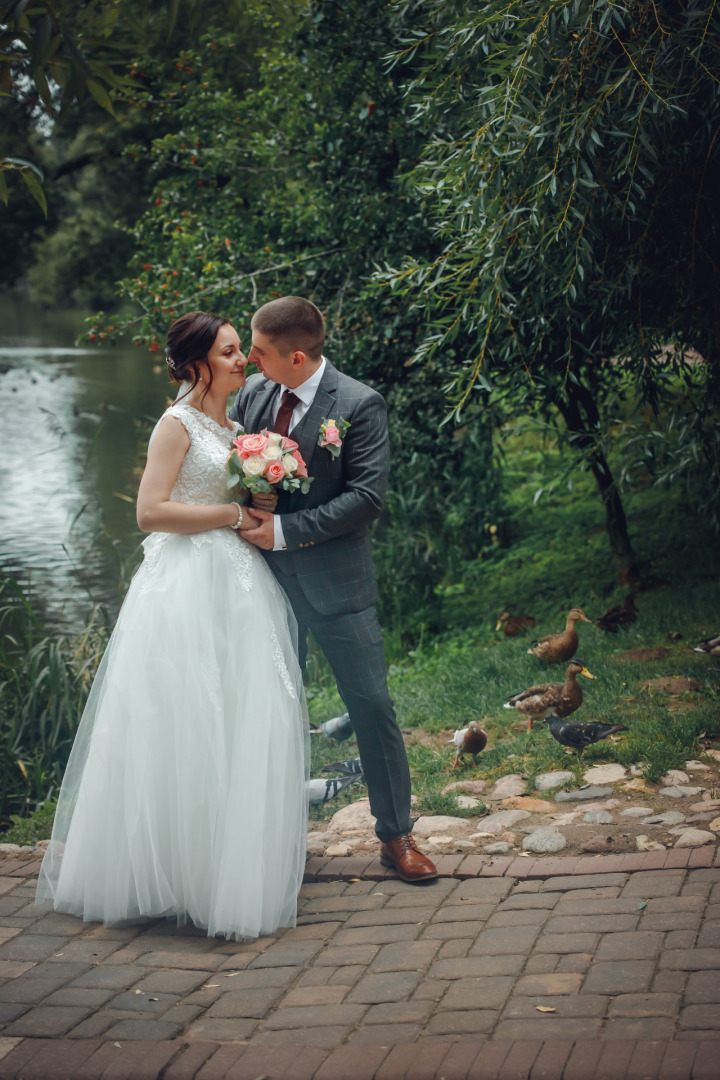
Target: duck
x=556 y=648
x=577 y=735
x=513 y=624
x=709 y=645
x=469 y=740
x=620 y=615
x=560 y=699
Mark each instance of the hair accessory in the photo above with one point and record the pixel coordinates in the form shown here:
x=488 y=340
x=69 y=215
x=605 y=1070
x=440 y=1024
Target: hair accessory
x=168 y=358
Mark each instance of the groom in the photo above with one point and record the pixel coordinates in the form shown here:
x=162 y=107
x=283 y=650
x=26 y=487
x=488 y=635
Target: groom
x=317 y=545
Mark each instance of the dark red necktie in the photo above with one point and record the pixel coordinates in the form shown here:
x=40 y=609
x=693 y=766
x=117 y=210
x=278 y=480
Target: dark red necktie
x=284 y=416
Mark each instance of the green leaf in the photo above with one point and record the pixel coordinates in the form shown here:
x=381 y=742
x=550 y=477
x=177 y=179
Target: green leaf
x=35 y=190
x=100 y=94
x=172 y=11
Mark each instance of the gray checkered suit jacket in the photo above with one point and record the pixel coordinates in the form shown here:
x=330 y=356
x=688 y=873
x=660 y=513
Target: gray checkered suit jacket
x=326 y=531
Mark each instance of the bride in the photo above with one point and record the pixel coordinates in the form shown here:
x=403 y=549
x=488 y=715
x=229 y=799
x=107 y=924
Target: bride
x=184 y=795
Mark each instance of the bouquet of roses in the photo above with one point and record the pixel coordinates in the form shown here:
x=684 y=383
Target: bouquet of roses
x=265 y=461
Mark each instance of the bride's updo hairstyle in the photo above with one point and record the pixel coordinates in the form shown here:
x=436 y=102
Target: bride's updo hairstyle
x=189 y=341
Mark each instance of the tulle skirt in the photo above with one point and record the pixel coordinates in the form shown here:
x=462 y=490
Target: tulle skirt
x=185 y=792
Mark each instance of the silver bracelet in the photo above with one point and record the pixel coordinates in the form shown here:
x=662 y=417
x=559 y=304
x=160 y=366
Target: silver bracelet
x=238 y=523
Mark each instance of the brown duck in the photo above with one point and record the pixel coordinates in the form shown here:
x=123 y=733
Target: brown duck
x=513 y=624
x=621 y=615
x=556 y=648
x=709 y=645
x=552 y=699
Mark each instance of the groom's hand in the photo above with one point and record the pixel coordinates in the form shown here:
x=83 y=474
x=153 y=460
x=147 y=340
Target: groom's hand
x=263 y=535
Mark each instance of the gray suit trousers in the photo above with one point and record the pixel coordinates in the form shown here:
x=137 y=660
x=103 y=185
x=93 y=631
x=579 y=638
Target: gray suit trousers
x=353 y=646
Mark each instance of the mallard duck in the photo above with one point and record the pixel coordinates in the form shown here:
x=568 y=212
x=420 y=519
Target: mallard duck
x=709 y=645
x=513 y=624
x=469 y=740
x=559 y=698
x=621 y=615
x=555 y=648
x=578 y=735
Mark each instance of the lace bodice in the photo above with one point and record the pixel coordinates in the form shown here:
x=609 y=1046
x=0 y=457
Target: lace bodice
x=202 y=477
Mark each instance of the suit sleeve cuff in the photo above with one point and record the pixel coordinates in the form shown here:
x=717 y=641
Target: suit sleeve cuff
x=279 y=537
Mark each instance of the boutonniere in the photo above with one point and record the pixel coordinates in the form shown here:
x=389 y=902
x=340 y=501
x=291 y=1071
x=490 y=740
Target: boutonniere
x=332 y=434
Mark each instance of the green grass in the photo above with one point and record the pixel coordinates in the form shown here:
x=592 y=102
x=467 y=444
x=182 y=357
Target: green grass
x=556 y=557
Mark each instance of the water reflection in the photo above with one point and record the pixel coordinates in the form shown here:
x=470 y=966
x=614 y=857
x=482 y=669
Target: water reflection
x=71 y=421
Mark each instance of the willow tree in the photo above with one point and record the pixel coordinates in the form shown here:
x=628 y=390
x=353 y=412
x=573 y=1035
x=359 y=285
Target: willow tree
x=572 y=178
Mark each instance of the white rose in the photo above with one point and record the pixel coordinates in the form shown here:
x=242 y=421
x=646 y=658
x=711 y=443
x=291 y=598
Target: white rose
x=271 y=453
x=290 y=464
x=253 y=465
x=274 y=439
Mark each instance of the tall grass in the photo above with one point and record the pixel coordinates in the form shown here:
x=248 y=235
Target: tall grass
x=44 y=683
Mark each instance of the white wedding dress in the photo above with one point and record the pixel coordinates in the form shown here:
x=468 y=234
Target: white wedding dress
x=185 y=793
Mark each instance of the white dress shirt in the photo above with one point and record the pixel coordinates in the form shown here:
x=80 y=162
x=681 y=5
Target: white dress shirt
x=306 y=393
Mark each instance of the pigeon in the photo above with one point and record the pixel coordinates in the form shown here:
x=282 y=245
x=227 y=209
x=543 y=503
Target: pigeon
x=556 y=648
x=339 y=728
x=709 y=645
x=559 y=699
x=621 y=615
x=577 y=735
x=468 y=740
x=322 y=791
x=352 y=767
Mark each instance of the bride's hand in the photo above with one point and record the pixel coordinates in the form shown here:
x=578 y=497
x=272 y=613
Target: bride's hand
x=265 y=502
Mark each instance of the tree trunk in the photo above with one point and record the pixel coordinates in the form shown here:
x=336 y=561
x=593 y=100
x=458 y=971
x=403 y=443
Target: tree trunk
x=583 y=421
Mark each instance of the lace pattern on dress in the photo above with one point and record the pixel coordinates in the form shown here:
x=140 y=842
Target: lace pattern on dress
x=210 y=675
x=280 y=663
x=241 y=558
x=152 y=550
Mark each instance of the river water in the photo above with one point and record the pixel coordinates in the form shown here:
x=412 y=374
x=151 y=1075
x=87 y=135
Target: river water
x=73 y=423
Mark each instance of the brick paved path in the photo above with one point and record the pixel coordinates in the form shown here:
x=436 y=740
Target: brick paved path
x=506 y=969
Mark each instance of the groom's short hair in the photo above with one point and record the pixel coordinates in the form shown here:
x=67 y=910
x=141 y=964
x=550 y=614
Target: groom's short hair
x=293 y=322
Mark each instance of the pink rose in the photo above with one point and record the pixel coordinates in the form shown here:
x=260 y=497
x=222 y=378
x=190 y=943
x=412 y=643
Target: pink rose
x=332 y=436
x=288 y=444
x=274 y=472
x=253 y=444
x=301 y=470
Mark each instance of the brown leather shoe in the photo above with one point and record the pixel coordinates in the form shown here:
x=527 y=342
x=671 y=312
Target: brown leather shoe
x=407 y=860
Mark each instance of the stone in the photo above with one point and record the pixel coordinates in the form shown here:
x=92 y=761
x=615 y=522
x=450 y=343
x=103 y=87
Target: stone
x=333 y=850
x=466 y=802
x=634 y=811
x=429 y=826
x=470 y=787
x=691 y=766
x=680 y=792
x=508 y=837
x=547 y=781
x=598 y=817
x=439 y=840
x=500 y=848
x=463 y=845
x=526 y=802
x=694 y=838
x=582 y=794
x=597 y=845
x=713 y=754
x=604 y=774
x=545 y=839
x=355 y=815
x=503 y=819
x=643 y=843
x=314 y=850
x=9 y=849
x=706 y=804
x=507 y=786
x=636 y=770
x=638 y=784
x=714 y=825
x=668 y=817
x=673 y=777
